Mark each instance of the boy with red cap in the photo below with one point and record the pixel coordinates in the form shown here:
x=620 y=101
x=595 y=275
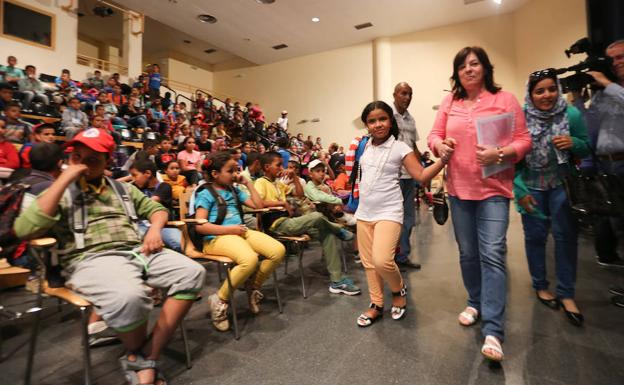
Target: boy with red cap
x=106 y=262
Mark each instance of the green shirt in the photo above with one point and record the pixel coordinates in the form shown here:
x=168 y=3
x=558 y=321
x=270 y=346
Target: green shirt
x=108 y=228
x=315 y=194
x=11 y=72
x=551 y=177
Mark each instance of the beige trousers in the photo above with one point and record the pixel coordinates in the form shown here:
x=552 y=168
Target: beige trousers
x=377 y=242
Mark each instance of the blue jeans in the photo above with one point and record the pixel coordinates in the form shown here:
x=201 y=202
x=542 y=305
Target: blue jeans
x=481 y=231
x=554 y=204
x=138 y=121
x=409 y=218
x=171 y=237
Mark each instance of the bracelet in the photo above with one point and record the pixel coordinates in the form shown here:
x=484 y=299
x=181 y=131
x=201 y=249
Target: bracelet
x=500 y=155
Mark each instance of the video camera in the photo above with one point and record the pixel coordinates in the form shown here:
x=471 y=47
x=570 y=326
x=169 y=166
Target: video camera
x=594 y=62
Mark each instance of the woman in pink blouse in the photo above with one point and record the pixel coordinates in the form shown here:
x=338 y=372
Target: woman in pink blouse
x=190 y=161
x=480 y=205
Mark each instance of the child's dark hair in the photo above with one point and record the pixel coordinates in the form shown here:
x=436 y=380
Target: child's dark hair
x=12 y=104
x=45 y=156
x=38 y=129
x=143 y=165
x=170 y=163
x=269 y=157
x=185 y=141
x=252 y=157
x=215 y=162
x=149 y=143
x=379 y=105
x=165 y=138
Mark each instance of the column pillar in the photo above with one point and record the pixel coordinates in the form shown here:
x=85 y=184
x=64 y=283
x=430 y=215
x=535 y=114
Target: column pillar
x=132 y=52
x=382 y=69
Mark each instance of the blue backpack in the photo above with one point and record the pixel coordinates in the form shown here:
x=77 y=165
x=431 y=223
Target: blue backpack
x=356 y=173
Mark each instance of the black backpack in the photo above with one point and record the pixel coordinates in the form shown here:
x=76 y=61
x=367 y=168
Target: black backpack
x=197 y=238
x=11 y=197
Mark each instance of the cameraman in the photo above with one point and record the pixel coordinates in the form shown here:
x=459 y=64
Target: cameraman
x=604 y=119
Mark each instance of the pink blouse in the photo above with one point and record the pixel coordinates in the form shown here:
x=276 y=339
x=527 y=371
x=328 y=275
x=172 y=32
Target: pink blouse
x=190 y=158
x=454 y=120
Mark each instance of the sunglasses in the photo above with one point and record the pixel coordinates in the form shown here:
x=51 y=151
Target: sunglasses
x=541 y=74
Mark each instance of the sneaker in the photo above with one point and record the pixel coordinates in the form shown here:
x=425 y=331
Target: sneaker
x=218 y=313
x=618 y=300
x=344 y=286
x=611 y=262
x=255 y=296
x=357 y=259
x=345 y=235
x=100 y=334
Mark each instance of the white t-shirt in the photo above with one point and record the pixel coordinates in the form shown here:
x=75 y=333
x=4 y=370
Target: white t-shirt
x=380 y=193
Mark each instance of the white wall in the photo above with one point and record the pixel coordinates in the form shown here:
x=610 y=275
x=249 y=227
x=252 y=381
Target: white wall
x=333 y=86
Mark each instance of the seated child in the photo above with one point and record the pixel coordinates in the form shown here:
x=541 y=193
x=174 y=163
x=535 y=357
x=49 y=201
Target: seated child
x=109 y=265
x=227 y=235
x=273 y=192
x=8 y=154
x=165 y=154
x=16 y=130
x=173 y=178
x=42 y=133
x=317 y=191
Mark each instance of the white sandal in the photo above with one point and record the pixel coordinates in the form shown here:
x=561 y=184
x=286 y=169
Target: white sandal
x=470 y=317
x=493 y=344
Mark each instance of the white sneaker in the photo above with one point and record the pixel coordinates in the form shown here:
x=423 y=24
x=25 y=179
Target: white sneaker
x=218 y=313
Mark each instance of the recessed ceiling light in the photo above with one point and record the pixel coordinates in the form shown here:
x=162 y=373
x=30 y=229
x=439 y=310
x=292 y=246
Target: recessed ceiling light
x=315 y=19
x=265 y=1
x=280 y=46
x=210 y=50
x=187 y=41
x=205 y=18
x=498 y=1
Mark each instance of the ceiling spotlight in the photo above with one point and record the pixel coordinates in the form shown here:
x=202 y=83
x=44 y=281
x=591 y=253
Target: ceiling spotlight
x=315 y=19
x=265 y=1
x=102 y=11
x=205 y=18
x=498 y=1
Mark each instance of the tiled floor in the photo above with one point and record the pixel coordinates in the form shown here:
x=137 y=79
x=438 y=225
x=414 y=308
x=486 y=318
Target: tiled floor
x=316 y=341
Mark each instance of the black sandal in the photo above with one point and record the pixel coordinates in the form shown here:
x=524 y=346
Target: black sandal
x=364 y=321
x=131 y=368
x=398 y=312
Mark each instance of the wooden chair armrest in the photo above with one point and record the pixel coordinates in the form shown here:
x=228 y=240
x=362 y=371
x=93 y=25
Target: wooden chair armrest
x=301 y=238
x=176 y=224
x=66 y=295
x=195 y=221
x=42 y=242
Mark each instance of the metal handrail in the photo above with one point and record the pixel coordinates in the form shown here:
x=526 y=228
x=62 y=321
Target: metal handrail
x=185 y=97
x=170 y=89
x=101 y=64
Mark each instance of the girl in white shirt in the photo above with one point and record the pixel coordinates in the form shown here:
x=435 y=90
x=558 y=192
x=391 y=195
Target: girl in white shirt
x=380 y=211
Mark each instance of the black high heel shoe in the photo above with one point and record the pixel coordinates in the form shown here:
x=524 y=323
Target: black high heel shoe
x=551 y=303
x=575 y=319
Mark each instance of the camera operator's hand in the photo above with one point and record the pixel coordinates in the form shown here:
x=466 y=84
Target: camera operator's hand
x=600 y=78
x=562 y=142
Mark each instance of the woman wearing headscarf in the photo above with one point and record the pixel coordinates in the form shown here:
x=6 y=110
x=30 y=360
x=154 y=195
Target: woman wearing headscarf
x=559 y=136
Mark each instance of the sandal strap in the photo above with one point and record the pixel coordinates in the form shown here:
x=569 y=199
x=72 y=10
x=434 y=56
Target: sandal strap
x=376 y=307
x=141 y=363
x=401 y=293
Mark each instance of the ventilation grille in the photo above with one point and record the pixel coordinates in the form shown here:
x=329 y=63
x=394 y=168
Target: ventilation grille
x=364 y=25
x=280 y=46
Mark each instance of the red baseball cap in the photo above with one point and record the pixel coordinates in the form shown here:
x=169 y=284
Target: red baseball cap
x=94 y=138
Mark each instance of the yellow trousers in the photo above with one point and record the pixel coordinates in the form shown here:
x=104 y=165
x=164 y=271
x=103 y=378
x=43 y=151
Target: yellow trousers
x=244 y=251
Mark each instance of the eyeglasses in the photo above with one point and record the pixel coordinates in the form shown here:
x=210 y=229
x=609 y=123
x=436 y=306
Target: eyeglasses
x=546 y=73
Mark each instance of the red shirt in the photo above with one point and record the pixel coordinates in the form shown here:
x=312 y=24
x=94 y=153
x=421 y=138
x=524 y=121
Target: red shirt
x=8 y=155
